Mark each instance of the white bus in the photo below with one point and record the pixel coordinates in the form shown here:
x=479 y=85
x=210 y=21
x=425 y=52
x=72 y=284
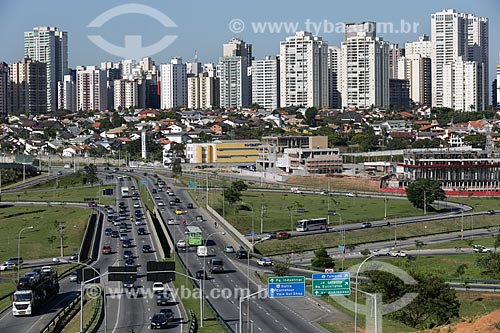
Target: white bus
x=311 y=224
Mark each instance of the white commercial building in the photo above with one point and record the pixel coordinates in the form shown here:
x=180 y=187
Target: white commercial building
x=235 y=82
x=304 y=71
x=66 y=94
x=265 y=82
x=91 y=88
x=173 y=86
x=457 y=35
x=125 y=94
x=462 y=79
x=50 y=46
x=365 y=67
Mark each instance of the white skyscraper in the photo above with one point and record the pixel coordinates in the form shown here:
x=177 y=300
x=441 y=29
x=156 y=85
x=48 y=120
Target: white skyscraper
x=417 y=70
x=91 y=88
x=458 y=35
x=265 y=82
x=235 y=83
x=173 y=84
x=125 y=94
x=66 y=94
x=334 y=77
x=462 y=79
x=304 y=71
x=49 y=45
x=423 y=47
x=365 y=67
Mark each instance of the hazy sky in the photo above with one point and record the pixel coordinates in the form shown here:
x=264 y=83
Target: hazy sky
x=205 y=25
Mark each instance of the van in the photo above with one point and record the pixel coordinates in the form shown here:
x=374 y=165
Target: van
x=202 y=251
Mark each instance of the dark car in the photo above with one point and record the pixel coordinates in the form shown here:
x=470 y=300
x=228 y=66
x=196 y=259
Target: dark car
x=168 y=312
x=154 y=191
x=271 y=235
x=129 y=284
x=142 y=231
x=366 y=225
x=130 y=263
x=216 y=265
x=163 y=298
x=74 y=257
x=201 y=274
x=127 y=254
x=177 y=200
x=24 y=283
x=241 y=254
x=127 y=243
x=159 y=320
x=491 y=212
x=108 y=231
x=115 y=234
x=190 y=206
x=147 y=248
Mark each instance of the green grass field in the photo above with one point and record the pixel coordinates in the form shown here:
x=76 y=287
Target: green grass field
x=68 y=180
x=43 y=241
x=62 y=194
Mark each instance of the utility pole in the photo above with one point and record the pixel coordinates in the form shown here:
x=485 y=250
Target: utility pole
x=262 y=211
x=61 y=234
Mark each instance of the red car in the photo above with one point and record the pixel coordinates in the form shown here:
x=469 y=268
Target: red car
x=283 y=235
x=92 y=204
x=106 y=249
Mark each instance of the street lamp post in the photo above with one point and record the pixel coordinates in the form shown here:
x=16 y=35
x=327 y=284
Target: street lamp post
x=356 y=293
x=241 y=312
x=204 y=266
x=19 y=250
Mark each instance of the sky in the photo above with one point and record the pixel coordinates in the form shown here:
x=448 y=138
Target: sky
x=206 y=25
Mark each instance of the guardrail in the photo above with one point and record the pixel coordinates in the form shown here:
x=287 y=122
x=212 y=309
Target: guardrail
x=55 y=325
x=231 y=230
x=97 y=310
x=193 y=325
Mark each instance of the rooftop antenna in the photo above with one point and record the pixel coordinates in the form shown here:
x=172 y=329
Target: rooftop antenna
x=195 y=56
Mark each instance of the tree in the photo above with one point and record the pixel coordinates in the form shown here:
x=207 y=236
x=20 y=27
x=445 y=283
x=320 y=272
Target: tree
x=281 y=268
x=424 y=189
x=310 y=116
x=177 y=167
x=239 y=185
x=475 y=140
x=497 y=241
x=91 y=174
x=322 y=259
x=490 y=264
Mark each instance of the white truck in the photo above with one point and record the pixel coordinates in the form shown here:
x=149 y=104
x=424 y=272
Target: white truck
x=31 y=295
x=125 y=192
x=295 y=190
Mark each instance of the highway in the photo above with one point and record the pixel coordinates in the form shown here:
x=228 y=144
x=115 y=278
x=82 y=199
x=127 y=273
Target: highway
x=267 y=315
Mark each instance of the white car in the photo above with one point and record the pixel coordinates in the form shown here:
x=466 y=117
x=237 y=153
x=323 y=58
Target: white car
x=158 y=287
x=170 y=221
x=137 y=205
x=265 y=261
x=181 y=243
x=397 y=254
x=46 y=269
x=7 y=266
x=160 y=203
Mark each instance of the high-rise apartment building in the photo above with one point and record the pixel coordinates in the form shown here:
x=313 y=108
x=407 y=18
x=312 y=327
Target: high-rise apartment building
x=365 y=67
x=304 y=71
x=125 y=94
x=497 y=87
x=395 y=53
x=457 y=35
x=27 y=87
x=202 y=91
x=91 y=88
x=423 y=47
x=417 y=70
x=66 y=94
x=334 y=73
x=265 y=82
x=173 y=83
x=50 y=46
x=233 y=69
x=4 y=83
x=462 y=79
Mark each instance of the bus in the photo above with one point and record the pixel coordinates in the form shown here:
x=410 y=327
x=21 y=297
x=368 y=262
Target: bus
x=311 y=224
x=194 y=236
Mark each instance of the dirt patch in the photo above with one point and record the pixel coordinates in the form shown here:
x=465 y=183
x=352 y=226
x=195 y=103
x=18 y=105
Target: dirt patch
x=337 y=182
x=489 y=323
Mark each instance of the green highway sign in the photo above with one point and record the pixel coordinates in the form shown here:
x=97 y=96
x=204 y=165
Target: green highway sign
x=286 y=279
x=331 y=284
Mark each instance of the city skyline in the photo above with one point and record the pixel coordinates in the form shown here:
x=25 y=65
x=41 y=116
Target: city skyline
x=206 y=29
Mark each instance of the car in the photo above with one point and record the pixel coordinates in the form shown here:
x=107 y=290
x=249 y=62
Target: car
x=108 y=231
x=15 y=260
x=170 y=221
x=159 y=320
x=177 y=200
x=123 y=237
x=24 y=283
x=170 y=193
x=215 y=265
x=253 y=235
x=74 y=257
x=283 y=235
x=7 y=266
x=106 y=249
x=366 y=225
x=129 y=285
x=130 y=263
x=168 y=312
x=199 y=218
x=480 y=249
x=351 y=195
x=264 y=261
x=46 y=269
x=138 y=221
x=161 y=204
x=201 y=275
x=127 y=254
x=271 y=235
x=137 y=205
x=154 y=191
x=397 y=254
x=127 y=243
x=92 y=204
x=491 y=212
x=59 y=173
x=190 y=206
x=56 y=260
x=241 y=254
x=73 y=277
x=202 y=251
x=381 y=252
x=117 y=222
x=146 y=248
x=158 y=287
x=115 y=234
x=142 y=231
x=181 y=243
x=229 y=249
x=163 y=298
x=171 y=203
x=34 y=276
x=178 y=211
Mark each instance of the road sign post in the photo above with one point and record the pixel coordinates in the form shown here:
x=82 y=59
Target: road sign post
x=331 y=284
x=286 y=286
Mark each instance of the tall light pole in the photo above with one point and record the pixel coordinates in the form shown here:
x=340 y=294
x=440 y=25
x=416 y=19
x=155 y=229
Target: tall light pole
x=462 y=228
x=19 y=250
x=356 y=293
x=241 y=312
